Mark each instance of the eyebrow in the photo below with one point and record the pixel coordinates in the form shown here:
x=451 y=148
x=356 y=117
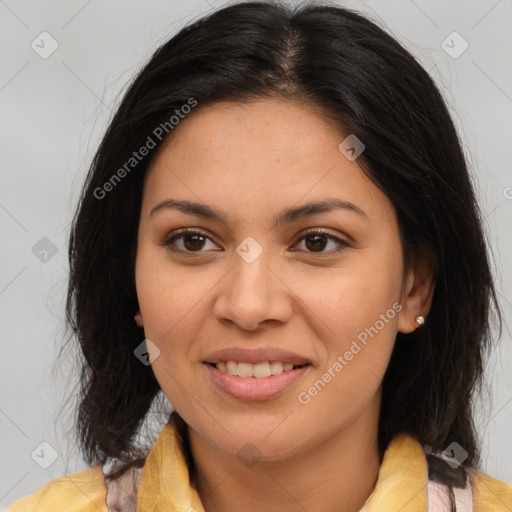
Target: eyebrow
x=287 y=216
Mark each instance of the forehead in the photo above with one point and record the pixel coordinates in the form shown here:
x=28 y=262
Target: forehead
x=270 y=128
x=264 y=154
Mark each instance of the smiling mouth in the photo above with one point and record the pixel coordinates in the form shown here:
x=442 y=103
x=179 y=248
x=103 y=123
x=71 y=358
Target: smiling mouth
x=258 y=371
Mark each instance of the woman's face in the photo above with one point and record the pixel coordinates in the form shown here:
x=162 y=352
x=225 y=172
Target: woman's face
x=255 y=283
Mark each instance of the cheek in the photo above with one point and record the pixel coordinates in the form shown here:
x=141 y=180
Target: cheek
x=354 y=312
x=171 y=306
x=170 y=301
x=347 y=299
x=356 y=320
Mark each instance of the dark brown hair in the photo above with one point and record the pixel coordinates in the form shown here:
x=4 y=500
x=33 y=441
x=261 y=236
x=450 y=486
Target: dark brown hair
x=338 y=61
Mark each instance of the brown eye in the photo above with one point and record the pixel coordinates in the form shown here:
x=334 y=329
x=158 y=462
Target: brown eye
x=191 y=241
x=317 y=240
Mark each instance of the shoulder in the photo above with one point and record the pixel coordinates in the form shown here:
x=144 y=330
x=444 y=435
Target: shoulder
x=489 y=493
x=84 y=491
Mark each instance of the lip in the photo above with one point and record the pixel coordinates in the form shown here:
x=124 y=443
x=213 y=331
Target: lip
x=255 y=355
x=253 y=389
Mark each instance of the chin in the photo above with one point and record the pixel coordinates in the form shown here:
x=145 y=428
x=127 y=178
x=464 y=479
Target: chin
x=259 y=447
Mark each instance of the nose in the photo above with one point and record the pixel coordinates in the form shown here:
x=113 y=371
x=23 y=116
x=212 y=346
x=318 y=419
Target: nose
x=253 y=293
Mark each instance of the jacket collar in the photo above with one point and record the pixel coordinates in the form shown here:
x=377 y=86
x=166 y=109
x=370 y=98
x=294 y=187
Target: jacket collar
x=401 y=483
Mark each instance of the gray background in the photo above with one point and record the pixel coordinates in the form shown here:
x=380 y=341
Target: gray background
x=53 y=112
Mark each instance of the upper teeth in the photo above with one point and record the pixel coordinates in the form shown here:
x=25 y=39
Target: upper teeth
x=258 y=370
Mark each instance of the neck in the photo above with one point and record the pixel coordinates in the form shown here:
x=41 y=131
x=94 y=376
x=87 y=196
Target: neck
x=337 y=474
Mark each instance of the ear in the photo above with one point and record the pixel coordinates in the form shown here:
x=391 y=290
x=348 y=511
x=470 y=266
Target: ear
x=417 y=292
x=138 y=318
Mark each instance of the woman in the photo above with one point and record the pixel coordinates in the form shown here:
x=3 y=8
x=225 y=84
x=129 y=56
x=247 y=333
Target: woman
x=279 y=233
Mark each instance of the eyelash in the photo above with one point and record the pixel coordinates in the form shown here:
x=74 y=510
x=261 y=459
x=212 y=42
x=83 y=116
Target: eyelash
x=167 y=242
